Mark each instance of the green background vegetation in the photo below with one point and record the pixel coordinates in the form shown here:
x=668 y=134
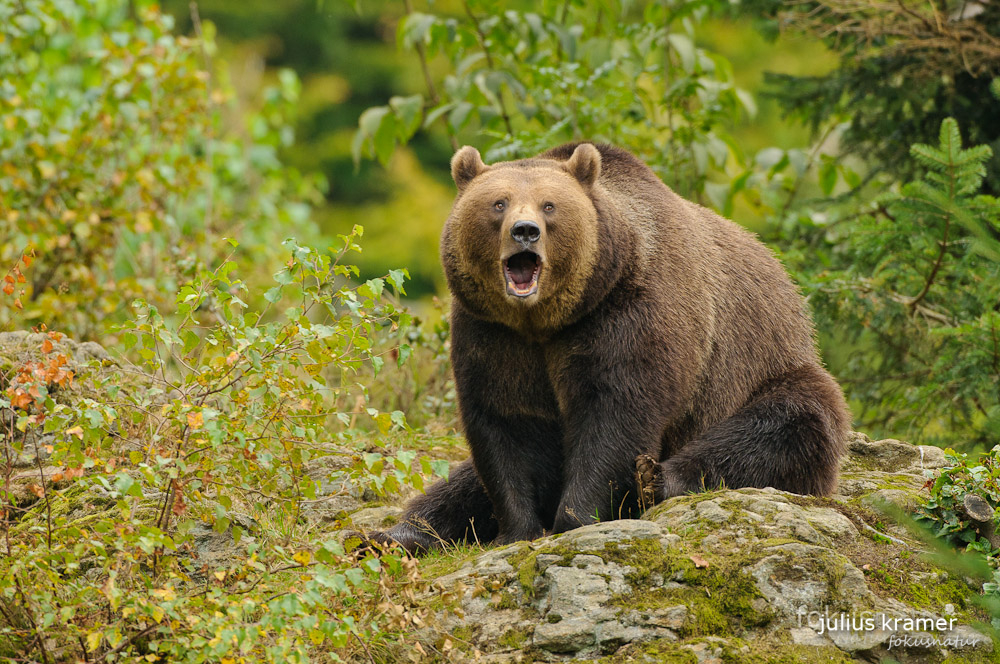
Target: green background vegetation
x=154 y=162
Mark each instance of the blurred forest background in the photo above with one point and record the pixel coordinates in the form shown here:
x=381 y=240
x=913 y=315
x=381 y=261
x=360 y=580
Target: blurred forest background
x=242 y=202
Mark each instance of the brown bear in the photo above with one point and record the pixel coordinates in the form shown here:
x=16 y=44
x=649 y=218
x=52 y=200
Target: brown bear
x=599 y=320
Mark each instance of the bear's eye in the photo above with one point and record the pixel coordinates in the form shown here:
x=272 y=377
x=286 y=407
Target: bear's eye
x=499 y=206
x=549 y=207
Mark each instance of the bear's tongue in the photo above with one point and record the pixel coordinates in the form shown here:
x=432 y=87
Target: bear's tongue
x=522 y=269
x=522 y=273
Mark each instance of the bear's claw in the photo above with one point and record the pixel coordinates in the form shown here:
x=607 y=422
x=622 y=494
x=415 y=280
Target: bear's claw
x=648 y=475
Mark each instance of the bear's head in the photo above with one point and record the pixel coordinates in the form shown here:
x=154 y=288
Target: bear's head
x=522 y=240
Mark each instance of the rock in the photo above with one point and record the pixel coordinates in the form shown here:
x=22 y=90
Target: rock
x=706 y=653
x=336 y=496
x=886 y=455
x=32 y=451
x=730 y=575
x=214 y=550
x=93 y=351
x=599 y=534
x=897 y=498
x=796 y=579
x=375 y=518
x=21 y=346
x=807 y=636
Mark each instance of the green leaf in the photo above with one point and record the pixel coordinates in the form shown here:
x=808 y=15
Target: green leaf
x=459 y=115
x=272 y=295
x=441 y=468
x=684 y=47
x=372 y=288
x=396 y=279
x=828 y=176
x=404 y=354
x=415 y=29
x=408 y=111
x=385 y=138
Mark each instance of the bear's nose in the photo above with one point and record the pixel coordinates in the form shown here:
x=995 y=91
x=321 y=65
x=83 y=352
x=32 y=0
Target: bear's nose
x=526 y=232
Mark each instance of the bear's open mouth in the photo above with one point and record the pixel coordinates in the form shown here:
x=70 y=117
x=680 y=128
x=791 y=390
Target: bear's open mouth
x=521 y=273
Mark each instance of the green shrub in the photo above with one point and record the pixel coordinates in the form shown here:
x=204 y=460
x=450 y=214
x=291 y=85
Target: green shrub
x=123 y=160
x=524 y=81
x=232 y=425
x=943 y=510
x=912 y=296
x=945 y=515
x=164 y=503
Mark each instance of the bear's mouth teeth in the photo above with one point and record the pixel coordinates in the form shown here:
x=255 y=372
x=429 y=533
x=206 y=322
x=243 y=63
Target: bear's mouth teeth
x=521 y=273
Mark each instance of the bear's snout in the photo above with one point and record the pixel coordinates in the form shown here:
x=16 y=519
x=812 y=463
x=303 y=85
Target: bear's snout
x=525 y=233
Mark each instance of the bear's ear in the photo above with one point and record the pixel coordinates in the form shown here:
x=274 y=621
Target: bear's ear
x=585 y=164
x=465 y=165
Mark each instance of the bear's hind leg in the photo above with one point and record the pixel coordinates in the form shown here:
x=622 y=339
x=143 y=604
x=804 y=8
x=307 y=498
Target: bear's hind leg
x=790 y=436
x=452 y=510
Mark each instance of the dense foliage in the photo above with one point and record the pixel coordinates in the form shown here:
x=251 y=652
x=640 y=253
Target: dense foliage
x=525 y=81
x=914 y=292
x=222 y=429
x=904 y=67
x=121 y=160
x=237 y=406
x=256 y=380
x=968 y=482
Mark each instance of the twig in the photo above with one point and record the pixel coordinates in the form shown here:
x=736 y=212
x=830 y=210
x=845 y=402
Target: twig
x=31 y=618
x=45 y=493
x=894 y=540
x=129 y=641
x=428 y=80
x=809 y=162
x=365 y=646
x=210 y=180
x=489 y=64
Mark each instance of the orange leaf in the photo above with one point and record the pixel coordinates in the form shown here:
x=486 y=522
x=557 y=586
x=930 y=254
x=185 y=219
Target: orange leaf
x=698 y=561
x=17 y=302
x=8 y=288
x=37 y=490
x=46 y=346
x=26 y=259
x=75 y=431
x=179 y=504
x=20 y=399
x=195 y=420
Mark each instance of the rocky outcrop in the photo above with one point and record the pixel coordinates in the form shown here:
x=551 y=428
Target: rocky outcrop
x=749 y=575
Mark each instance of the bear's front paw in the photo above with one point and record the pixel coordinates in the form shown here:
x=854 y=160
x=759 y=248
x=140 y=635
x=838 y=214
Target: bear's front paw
x=649 y=479
x=657 y=481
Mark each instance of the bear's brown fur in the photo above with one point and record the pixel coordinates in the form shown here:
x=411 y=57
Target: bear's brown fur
x=599 y=318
